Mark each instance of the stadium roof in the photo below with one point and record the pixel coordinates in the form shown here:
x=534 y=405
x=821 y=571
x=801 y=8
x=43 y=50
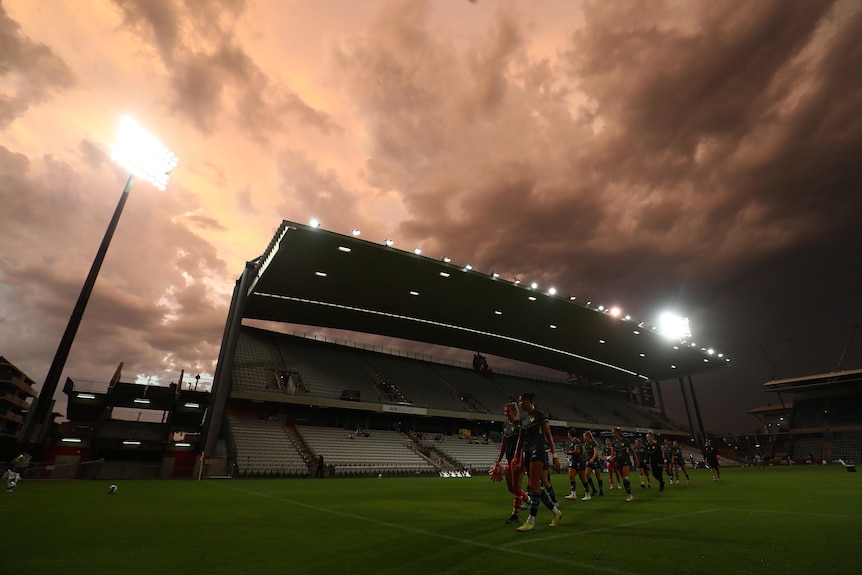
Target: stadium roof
x=835 y=380
x=314 y=277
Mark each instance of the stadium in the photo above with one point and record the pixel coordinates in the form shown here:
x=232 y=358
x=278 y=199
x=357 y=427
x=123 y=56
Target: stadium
x=282 y=402
x=279 y=400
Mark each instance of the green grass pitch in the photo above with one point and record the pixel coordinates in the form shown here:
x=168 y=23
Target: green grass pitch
x=784 y=520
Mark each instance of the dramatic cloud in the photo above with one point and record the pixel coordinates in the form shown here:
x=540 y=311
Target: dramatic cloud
x=645 y=154
x=30 y=71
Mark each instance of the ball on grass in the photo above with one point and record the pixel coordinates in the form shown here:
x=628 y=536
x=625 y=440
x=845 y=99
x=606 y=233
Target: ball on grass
x=112 y=489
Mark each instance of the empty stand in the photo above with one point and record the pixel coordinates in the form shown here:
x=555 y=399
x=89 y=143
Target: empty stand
x=387 y=452
x=416 y=380
x=263 y=448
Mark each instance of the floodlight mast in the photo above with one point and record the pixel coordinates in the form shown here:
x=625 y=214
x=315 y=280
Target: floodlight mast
x=147 y=158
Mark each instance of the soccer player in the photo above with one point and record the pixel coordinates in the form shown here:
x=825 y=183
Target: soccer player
x=514 y=476
x=656 y=459
x=624 y=458
x=594 y=465
x=678 y=462
x=711 y=456
x=535 y=430
x=612 y=466
x=668 y=459
x=577 y=465
x=642 y=458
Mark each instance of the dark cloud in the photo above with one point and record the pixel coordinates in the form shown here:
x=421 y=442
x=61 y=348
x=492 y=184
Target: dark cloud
x=698 y=157
x=212 y=78
x=37 y=71
x=154 y=304
x=313 y=189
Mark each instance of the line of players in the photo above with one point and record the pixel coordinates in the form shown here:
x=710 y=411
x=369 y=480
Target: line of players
x=526 y=445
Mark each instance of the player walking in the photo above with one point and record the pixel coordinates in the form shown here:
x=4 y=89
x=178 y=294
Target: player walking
x=594 y=465
x=623 y=456
x=535 y=430
x=678 y=462
x=711 y=456
x=514 y=476
x=577 y=465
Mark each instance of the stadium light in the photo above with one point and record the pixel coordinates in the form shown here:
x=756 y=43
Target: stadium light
x=673 y=326
x=142 y=154
x=145 y=157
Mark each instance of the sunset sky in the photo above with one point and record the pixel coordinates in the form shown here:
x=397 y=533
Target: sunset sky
x=699 y=156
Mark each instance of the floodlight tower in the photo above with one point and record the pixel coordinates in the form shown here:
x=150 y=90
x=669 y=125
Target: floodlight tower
x=146 y=158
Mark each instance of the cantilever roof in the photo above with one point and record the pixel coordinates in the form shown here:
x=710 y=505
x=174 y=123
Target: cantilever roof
x=851 y=379
x=314 y=277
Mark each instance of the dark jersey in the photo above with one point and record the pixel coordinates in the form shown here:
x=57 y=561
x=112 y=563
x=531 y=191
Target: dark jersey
x=710 y=454
x=579 y=457
x=532 y=434
x=656 y=457
x=642 y=455
x=676 y=455
x=591 y=450
x=606 y=452
x=622 y=452
x=510 y=439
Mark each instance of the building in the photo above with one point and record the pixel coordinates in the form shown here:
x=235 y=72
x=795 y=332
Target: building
x=16 y=388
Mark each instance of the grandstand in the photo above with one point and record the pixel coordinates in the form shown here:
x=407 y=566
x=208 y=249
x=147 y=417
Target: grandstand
x=280 y=400
x=824 y=418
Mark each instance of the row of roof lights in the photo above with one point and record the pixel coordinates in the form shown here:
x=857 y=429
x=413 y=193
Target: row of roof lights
x=125 y=442
x=190 y=405
x=671 y=326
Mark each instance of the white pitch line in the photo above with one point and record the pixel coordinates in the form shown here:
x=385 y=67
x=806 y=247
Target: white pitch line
x=505 y=549
x=816 y=514
x=581 y=532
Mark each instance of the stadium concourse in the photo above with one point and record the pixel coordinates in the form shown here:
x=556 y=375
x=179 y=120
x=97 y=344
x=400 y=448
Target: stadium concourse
x=280 y=401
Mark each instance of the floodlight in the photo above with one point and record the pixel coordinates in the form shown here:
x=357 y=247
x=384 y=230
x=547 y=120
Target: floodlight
x=673 y=326
x=143 y=154
x=146 y=158
x=534 y=285
x=355 y=232
x=314 y=223
x=615 y=311
x=552 y=291
x=388 y=242
x=417 y=251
